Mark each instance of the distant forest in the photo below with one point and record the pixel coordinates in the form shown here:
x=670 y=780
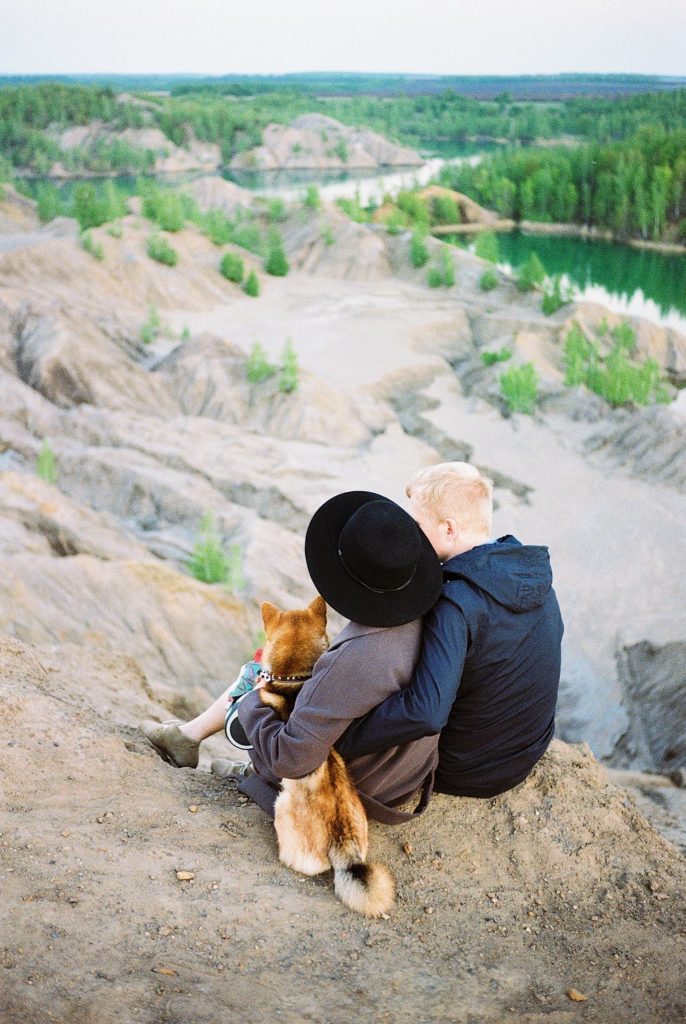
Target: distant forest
x=518 y=87
x=623 y=165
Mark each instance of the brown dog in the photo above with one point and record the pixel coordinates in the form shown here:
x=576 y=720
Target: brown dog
x=320 y=821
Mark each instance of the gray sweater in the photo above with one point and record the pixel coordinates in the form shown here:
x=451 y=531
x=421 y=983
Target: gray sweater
x=363 y=666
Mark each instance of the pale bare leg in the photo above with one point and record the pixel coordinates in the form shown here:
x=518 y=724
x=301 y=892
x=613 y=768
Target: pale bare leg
x=208 y=722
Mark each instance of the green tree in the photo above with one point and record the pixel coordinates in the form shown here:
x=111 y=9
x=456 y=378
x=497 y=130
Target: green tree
x=288 y=378
x=232 y=267
x=277 y=263
x=252 y=285
x=530 y=274
x=258 y=368
x=486 y=246
x=419 y=253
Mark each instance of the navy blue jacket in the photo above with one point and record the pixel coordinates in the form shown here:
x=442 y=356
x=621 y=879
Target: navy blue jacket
x=487 y=677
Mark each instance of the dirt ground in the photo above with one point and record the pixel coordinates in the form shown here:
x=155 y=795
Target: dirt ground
x=556 y=902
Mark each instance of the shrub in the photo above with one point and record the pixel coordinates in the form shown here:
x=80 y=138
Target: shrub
x=115 y=230
x=341 y=150
x=395 y=222
x=519 y=388
x=415 y=207
x=49 y=203
x=312 y=198
x=159 y=249
x=419 y=254
x=46 y=464
x=92 y=247
x=555 y=296
x=448 y=267
x=252 y=285
x=277 y=263
x=248 y=236
x=217 y=226
x=442 y=274
x=163 y=208
x=232 y=267
x=258 y=368
x=209 y=562
x=353 y=209
x=288 y=379
x=89 y=209
x=151 y=328
x=444 y=210
x=500 y=355
x=276 y=211
x=186 y=333
x=530 y=274
x=614 y=377
x=488 y=280
x=486 y=247
x=328 y=236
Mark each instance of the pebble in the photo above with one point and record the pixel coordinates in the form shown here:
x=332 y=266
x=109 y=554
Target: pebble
x=185 y=876
x=576 y=996
x=193 y=808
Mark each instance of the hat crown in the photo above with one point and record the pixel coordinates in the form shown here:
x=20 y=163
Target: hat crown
x=381 y=566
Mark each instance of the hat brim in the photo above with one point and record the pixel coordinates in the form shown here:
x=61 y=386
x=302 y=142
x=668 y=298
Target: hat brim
x=347 y=595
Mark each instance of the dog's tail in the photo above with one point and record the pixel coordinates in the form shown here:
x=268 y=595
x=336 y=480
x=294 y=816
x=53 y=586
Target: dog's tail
x=368 y=889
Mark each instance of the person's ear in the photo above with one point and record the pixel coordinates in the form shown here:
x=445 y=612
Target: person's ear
x=450 y=527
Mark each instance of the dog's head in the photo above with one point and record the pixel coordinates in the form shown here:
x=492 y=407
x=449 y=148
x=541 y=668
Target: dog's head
x=294 y=640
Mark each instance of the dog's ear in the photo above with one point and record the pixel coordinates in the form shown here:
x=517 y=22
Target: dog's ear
x=270 y=616
x=317 y=610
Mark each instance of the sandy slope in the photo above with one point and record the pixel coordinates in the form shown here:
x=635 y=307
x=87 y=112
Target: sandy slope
x=504 y=905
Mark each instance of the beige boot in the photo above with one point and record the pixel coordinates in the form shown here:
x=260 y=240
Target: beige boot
x=225 y=769
x=171 y=744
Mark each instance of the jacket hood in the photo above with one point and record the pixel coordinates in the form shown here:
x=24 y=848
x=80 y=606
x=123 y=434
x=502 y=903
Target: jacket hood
x=517 y=576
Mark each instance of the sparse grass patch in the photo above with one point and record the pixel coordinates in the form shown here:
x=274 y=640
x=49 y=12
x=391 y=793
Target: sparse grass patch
x=210 y=562
x=519 y=388
x=500 y=355
x=152 y=326
x=46 y=463
x=93 y=248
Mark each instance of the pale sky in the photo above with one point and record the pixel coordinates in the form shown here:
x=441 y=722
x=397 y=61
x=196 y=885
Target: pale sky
x=276 y=36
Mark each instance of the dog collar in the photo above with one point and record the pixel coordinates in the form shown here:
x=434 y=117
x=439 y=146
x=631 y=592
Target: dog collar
x=268 y=677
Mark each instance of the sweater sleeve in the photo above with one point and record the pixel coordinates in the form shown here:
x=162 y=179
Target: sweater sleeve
x=326 y=705
x=422 y=708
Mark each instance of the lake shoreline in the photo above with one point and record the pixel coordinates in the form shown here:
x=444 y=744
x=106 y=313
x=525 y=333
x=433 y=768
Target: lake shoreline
x=534 y=227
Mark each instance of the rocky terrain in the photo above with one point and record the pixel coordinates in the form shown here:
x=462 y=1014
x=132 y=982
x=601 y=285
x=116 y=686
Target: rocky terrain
x=557 y=901
x=318 y=142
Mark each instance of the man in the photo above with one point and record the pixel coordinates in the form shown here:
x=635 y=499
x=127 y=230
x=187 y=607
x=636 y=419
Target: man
x=489 y=671
x=372 y=563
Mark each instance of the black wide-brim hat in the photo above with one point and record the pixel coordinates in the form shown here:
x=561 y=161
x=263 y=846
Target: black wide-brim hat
x=370 y=561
